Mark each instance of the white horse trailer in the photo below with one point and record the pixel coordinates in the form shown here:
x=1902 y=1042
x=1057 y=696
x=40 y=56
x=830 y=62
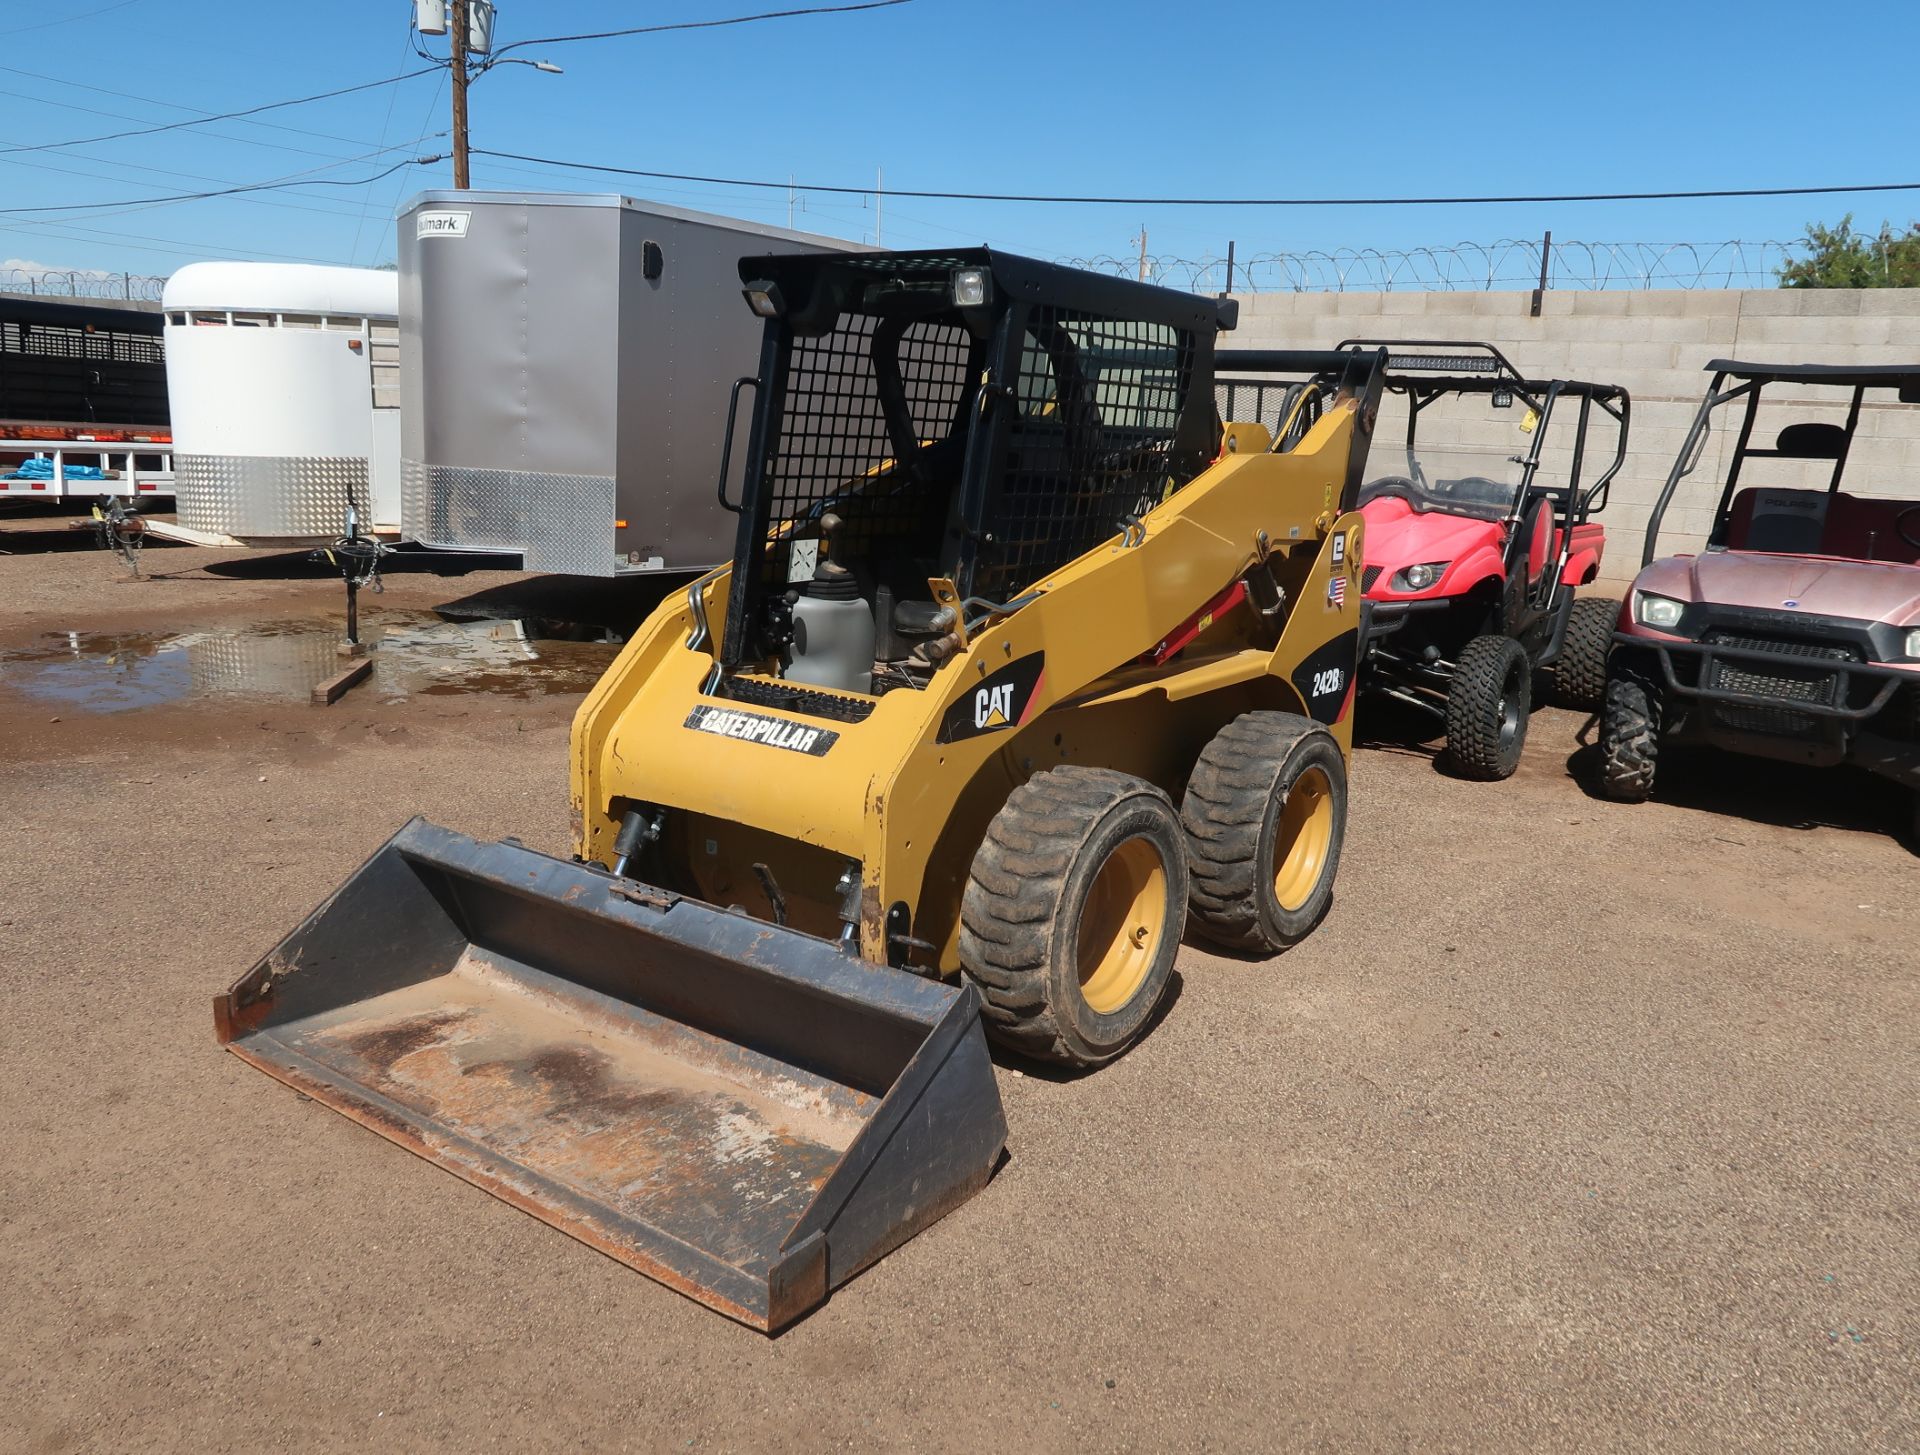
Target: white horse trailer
x=285 y=387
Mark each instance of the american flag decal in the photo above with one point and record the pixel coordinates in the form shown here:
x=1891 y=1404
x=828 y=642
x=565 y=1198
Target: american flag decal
x=1337 y=590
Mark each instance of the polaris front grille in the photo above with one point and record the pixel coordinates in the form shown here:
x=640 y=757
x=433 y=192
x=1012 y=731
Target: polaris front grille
x=1367 y=577
x=1792 y=678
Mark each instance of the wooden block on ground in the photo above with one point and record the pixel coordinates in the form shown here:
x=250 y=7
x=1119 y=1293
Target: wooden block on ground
x=335 y=687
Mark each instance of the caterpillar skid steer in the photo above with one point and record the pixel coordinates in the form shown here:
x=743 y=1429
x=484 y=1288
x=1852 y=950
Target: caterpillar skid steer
x=1023 y=665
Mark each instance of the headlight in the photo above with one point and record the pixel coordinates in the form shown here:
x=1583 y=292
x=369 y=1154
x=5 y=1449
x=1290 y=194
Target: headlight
x=1657 y=611
x=1420 y=577
x=763 y=297
x=1913 y=642
x=970 y=287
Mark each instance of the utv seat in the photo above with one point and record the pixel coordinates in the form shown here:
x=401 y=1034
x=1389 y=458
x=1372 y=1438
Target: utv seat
x=1866 y=529
x=1789 y=522
x=1815 y=523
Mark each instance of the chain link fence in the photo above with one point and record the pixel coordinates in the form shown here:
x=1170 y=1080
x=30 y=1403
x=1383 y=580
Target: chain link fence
x=82 y=283
x=1509 y=263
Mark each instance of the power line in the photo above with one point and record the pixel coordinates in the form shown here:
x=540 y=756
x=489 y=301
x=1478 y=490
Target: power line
x=693 y=25
x=125 y=167
x=225 y=136
x=1214 y=201
x=230 y=191
x=222 y=116
x=121 y=94
x=69 y=19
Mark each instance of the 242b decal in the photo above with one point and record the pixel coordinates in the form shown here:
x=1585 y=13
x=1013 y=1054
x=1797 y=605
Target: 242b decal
x=1325 y=678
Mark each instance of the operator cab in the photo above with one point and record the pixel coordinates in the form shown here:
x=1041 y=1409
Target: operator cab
x=933 y=434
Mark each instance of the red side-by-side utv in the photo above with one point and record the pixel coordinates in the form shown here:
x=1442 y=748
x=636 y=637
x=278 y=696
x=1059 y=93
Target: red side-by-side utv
x=1473 y=552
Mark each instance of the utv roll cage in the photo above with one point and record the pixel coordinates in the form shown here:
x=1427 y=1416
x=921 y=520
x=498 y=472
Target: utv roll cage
x=1811 y=440
x=1425 y=370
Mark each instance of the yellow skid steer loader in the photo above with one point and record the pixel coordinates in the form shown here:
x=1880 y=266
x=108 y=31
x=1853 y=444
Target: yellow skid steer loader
x=1024 y=665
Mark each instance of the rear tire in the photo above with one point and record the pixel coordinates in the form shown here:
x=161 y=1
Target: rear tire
x=1072 y=914
x=1580 y=673
x=1487 y=708
x=1629 y=741
x=1265 y=815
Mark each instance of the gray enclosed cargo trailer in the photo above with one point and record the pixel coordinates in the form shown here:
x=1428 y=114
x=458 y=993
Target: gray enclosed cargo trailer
x=565 y=366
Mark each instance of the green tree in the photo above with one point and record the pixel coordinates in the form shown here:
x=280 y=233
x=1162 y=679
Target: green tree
x=1839 y=257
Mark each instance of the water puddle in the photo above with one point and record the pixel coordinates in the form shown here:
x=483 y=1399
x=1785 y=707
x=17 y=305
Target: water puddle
x=414 y=654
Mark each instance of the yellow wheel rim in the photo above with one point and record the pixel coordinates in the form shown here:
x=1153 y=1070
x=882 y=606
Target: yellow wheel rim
x=1121 y=924
x=1303 y=839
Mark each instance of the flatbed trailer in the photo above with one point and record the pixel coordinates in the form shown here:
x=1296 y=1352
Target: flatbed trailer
x=84 y=461
x=83 y=400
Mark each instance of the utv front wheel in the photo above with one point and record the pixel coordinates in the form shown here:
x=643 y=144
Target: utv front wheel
x=1487 y=708
x=1629 y=741
x=1580 y=672
x=1265 y=814
x=1072 y=914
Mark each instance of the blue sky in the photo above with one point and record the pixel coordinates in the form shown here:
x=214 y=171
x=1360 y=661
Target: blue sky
x=1205 y=96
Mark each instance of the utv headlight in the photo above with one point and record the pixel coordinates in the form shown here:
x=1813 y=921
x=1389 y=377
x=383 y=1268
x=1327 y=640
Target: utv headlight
x=970 y=288
x=1661 y=612
x=1420 y=577
x=1912 y=644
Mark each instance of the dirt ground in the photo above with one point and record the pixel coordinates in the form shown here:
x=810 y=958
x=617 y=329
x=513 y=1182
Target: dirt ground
x=1575 y=1126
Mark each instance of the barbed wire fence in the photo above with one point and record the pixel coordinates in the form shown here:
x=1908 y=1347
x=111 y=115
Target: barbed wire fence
x=1468 y=267
x=1460 y=267
x=82 y=283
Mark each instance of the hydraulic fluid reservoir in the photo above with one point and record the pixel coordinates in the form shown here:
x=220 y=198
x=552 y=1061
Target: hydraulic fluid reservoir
x=833 y=630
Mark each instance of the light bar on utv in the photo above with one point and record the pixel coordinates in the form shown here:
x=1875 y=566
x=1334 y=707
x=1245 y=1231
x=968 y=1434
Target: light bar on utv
x=1444 y=363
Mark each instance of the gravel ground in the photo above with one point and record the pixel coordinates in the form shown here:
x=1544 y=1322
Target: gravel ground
x=1575 y=1126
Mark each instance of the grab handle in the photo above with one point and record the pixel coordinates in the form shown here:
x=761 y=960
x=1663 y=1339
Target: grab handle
x=726 y=447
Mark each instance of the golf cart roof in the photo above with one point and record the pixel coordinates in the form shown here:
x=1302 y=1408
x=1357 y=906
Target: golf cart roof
x=1851 y=376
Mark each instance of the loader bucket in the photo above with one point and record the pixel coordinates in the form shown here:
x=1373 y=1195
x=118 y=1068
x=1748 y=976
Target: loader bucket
x=738 y=1110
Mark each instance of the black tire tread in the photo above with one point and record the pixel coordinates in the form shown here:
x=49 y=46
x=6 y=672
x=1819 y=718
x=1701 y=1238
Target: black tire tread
x=1012 y=898
x=1223 y=811
x=1580 y=673
x=1629 y=741
x=1473 y=715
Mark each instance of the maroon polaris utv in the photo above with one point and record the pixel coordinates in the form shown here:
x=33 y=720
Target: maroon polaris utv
x=1795 y=634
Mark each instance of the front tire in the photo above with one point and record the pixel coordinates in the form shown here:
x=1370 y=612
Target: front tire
x=1629 y=741
x=1487 y=708
x=1072 y=914
x=1580 y=673
x=1265 y=815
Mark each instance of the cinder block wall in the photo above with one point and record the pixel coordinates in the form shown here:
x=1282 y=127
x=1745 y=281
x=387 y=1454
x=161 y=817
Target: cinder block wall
x=1656 y=345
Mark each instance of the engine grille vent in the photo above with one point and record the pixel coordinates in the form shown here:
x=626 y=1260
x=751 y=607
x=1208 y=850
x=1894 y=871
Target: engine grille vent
x=785 y=697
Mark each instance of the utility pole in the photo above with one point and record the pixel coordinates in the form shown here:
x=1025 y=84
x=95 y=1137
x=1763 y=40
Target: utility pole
x=1143 y=252
x=879 y=206
x=458 y=67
